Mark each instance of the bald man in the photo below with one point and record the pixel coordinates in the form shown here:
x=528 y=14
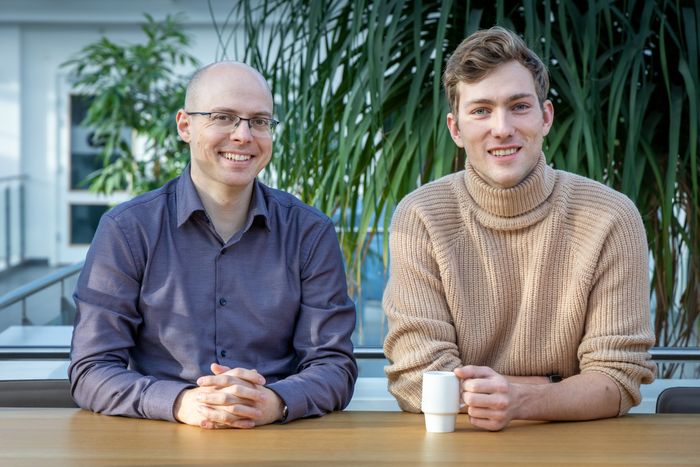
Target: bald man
x=215 y=300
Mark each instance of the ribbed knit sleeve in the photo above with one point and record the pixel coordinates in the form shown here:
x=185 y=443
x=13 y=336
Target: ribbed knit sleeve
x=618 y=331
x=421 y=331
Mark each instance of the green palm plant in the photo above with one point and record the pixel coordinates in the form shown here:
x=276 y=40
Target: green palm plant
x=360 y=101
x=135 y=93
x=357 y=85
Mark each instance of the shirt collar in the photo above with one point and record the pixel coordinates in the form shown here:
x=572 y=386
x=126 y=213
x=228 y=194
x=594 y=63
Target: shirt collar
x=188 y=202
x=258 y=207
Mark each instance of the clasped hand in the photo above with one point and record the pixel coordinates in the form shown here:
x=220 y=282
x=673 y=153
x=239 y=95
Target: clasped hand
x=229 y=398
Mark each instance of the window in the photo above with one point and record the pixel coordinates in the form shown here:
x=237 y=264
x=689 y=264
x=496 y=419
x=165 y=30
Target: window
x=84 y=208
x=84 y=219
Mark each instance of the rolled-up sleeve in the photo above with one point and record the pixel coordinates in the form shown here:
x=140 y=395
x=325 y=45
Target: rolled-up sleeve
x=422 y=336
x=618 y=332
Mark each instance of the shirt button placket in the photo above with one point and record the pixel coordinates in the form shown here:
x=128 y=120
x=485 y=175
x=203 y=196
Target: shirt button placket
x=222 y=352
x=222 y=303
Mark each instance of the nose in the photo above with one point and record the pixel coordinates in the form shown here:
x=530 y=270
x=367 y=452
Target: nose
x=501 y=126
x=241 y=132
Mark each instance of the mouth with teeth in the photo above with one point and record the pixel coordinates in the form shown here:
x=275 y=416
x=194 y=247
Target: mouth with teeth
x=503 y=152
x=232 y=156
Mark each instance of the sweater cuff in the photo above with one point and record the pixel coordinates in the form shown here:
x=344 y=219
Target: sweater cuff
x=159 y=400
x=626 y=399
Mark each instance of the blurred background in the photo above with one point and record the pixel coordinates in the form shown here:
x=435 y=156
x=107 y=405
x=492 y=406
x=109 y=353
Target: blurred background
x=89 y=90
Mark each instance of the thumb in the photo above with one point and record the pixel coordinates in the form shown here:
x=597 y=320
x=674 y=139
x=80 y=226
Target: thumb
x=473 y=371
x=218 y=369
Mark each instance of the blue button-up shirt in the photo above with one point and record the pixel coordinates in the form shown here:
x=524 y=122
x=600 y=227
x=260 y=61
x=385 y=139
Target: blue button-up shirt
x=161 y=297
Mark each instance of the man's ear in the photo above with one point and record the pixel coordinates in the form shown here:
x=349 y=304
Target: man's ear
x=547 y=116
x=453 y=126
x=183 y=125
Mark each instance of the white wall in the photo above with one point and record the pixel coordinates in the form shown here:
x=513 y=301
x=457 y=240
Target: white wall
x=10 y=100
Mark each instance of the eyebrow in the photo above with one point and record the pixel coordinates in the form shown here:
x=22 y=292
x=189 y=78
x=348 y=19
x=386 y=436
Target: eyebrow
x=514 y=97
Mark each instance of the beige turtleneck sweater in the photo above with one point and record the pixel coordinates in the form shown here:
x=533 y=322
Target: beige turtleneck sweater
x=550 y=276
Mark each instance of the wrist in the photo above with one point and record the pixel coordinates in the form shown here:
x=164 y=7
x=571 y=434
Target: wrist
x=282 y=409
x=524 y=396
x=182 y=408
x=274 y=407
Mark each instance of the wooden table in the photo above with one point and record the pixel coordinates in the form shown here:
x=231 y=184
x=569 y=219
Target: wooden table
x=32 y=437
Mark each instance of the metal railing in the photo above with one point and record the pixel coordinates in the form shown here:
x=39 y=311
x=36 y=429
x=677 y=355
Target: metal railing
x=12 y=245
x=23 y=293
x=675 y=354
x=658 y=354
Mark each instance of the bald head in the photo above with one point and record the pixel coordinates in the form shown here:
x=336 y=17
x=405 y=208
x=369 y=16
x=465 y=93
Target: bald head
x=221 y=70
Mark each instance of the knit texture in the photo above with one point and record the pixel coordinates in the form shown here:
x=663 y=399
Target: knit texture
x=550 y=276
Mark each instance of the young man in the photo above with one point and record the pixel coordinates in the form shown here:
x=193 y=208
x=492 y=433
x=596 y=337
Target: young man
x=215 y=300
x=510 y=273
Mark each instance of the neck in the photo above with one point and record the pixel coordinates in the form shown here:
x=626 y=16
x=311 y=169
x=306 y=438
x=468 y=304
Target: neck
x=226 y=206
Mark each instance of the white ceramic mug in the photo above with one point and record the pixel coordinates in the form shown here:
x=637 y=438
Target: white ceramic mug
x=440 y=401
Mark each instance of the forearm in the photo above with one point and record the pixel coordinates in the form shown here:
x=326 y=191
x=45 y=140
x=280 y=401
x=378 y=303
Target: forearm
x=106 y=329
x=315 y=391
x=416 y=343
x=326 y=372
x=618 y=334
x=422 y=334
x=100 y=378
x=106 y=388
x=586 y=396
x=528 y=379
x=410 y=355
x=326 y=369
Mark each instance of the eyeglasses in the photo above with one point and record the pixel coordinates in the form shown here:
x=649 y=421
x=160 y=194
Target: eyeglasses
x=226 y=122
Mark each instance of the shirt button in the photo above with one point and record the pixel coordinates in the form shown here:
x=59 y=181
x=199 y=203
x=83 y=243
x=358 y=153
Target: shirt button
x=223 y=353
x=222 y=302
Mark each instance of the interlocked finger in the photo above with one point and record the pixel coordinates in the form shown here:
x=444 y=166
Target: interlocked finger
x=232 y=395
x=222 y=381
x=241 y=376
x=228 y=415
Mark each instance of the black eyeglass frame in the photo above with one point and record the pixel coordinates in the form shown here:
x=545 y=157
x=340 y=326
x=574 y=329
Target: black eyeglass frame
x=271 y=122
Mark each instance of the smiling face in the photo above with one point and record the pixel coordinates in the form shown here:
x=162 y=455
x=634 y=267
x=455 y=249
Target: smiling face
x=501 y=124
x=226 y=162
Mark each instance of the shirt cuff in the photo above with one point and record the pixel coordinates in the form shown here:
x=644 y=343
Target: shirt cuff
x=293 y=399
x=159 y=400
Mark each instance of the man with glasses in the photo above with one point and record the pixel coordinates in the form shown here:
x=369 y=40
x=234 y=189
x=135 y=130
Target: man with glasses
x=530 y=283
x=215 y=300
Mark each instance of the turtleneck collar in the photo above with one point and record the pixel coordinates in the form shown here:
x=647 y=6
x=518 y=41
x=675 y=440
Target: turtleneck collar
x=519 y=200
